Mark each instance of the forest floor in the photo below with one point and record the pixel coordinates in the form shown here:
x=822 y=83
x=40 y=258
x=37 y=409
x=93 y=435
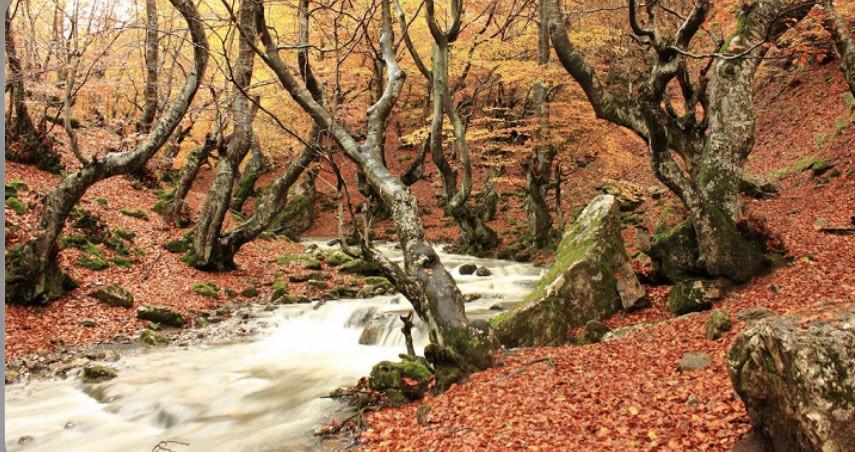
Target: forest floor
x=619 y=395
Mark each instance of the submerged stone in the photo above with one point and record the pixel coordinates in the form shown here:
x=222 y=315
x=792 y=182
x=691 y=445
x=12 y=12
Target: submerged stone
x=590 y=274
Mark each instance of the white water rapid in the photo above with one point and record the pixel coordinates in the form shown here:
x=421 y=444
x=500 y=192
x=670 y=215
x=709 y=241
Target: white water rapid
x=260 y=395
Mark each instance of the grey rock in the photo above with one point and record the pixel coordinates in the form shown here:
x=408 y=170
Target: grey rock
x=753 y=314
x=796 y=379
x=694 y=361
x=718 y=324
x=483 y=271
x=583 y=283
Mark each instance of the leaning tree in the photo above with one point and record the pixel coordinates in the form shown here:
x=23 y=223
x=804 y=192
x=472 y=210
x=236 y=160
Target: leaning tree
x=699 y=153
x=33 y=275
x=423 y=279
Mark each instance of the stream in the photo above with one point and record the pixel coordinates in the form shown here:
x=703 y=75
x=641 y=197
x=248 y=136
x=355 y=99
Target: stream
x=258 y=395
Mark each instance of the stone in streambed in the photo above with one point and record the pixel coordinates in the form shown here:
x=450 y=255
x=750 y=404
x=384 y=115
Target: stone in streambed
x=160 y=314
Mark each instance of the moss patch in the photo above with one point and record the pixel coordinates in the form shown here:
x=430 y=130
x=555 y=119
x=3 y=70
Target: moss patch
x=207 y=289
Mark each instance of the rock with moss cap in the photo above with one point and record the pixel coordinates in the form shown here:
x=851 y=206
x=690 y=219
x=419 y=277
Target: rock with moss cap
x=98 y=373
x=163 y=315
x=694 y=295
x=585 y=283
x=409 y=377
x=114 y=295
x=797 y=379
x=718 y=324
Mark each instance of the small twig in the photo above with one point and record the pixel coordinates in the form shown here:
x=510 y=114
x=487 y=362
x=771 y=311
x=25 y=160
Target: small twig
x=162 y=446
x=408 y=335
x=148 y=272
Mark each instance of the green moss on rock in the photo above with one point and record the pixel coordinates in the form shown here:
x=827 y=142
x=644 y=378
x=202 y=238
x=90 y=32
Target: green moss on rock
x=160 y=314
x=16 y=205
x=153 y=338
x=207 y=289
x=98 y=373
x=93 y=263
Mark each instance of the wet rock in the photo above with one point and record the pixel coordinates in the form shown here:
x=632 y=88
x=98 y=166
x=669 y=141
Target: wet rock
x=483 y=271
x=114 y=295
x=160 y=314
x=753 y=314
x=153 y=338
x=718 y=324
x=95 y=374
x=470 y=297
x=373 y=331
x=467 y=269
x=694 y=361
x=595 y=330
x=796 y=379
x=583 y=284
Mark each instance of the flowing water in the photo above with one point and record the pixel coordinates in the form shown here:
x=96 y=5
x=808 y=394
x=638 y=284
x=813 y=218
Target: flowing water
x=260 y=395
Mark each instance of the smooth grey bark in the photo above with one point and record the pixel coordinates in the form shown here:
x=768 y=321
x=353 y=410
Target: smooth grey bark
x=475 y=233
x=32 y=273
x=423 y=279
x=844 y=42
x=151 y=64
x=538 y=167
x=209 y=225
x=713 y=149
x=176 y=211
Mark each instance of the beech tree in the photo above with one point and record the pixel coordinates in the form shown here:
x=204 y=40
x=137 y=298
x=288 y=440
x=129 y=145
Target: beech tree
x=713 y=146
x=33 y=275
x=844 y=42
x=423 y=279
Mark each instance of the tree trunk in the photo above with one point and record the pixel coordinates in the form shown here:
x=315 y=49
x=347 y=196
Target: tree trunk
x=151 y=65
x=176 y=211
x=24 y=142
x=844 y=43
x=211 y=218
x=32 y=273
x=423 y=280
x=475 y=234
x=715 y=153
x=538 y=168
x=246 y=184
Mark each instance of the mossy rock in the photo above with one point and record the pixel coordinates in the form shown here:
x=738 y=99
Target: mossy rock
x=164 y=315
x=136 y=213
x=583 y=284
x=718 y=324
x=316 y=285
x=289 y=299
x=88 y=323
x=287 y=258
x=820 y=166
x=312 y=264
x=177 y=246
x=114 y=295
x=153 y=338
x=100 y=200
x=280 y=289
x=359 y=267
x=249 y=292
x=124 y=234
x=411 y=376
x=96 y=374
x=94 y=263
x=690 y=296
x=595 y=330
x=675 y=253
x=16 y=205
x=122 y=262
x=338 y=258
x=377 y=281
x=13 y=187
x=207 y=289
x=75 y=240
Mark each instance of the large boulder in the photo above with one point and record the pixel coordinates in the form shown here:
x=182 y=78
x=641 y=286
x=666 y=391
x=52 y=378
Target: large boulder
x=694 y=295
x=590 y=280
x=796 y=376
x=675 y=253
